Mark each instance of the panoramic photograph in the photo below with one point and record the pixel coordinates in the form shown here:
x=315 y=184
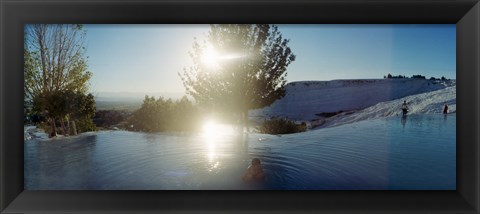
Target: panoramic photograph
x=239 y=107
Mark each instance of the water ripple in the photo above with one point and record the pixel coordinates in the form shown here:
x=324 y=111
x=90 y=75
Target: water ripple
x=418 y=153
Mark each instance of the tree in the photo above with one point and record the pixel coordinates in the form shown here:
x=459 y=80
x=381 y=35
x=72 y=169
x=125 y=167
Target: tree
x=78 y=107
x=54 y=63
x=238 y=68
x=83 y=111
x=418 y=76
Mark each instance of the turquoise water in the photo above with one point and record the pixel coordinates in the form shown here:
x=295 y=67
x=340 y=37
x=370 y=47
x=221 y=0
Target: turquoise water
x=415 y=153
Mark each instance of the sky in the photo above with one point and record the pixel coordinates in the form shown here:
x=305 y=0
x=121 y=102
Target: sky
x=147 y=58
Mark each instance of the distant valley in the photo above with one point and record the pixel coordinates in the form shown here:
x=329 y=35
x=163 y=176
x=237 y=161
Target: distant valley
x=128 y=101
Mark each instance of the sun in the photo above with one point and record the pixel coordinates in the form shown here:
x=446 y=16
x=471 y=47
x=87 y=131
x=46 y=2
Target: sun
x=210 y=57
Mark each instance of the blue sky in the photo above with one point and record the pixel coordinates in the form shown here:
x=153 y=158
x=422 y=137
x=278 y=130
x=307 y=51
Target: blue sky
x=147 y=58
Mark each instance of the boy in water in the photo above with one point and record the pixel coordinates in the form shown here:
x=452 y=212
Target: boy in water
x=445 y=109
x=254 y=171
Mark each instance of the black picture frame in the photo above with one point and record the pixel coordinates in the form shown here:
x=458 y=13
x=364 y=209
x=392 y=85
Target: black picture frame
x=15 y=14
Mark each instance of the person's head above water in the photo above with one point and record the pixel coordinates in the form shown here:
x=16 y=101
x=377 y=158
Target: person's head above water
x=405 y=101
x=255 y=161
x=254 y=172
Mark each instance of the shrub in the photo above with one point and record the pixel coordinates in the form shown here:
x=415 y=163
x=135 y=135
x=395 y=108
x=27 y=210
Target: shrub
x=85 y=124
x=107 y=118
x=158 y=115
x=281 y=126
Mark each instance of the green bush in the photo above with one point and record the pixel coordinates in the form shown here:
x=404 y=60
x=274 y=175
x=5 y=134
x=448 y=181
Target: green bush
x=158 y=115
x=281 y=126
x=85 y=124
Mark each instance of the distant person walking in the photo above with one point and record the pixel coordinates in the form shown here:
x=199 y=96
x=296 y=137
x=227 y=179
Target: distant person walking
x=404 y=108
x=445 y=109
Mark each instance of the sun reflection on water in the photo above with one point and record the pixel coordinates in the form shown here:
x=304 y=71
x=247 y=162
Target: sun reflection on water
x=213 y=133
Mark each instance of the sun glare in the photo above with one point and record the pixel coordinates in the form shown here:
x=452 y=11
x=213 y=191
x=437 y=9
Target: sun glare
x=214 y=134
x=212 y=130
x=210 y=57
x=209 y=129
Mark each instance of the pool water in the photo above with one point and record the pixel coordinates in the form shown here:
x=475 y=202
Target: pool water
x=412 y=153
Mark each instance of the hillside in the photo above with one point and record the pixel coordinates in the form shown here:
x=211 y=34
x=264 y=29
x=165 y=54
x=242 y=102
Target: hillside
x=314 y=100
x=425 y=103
